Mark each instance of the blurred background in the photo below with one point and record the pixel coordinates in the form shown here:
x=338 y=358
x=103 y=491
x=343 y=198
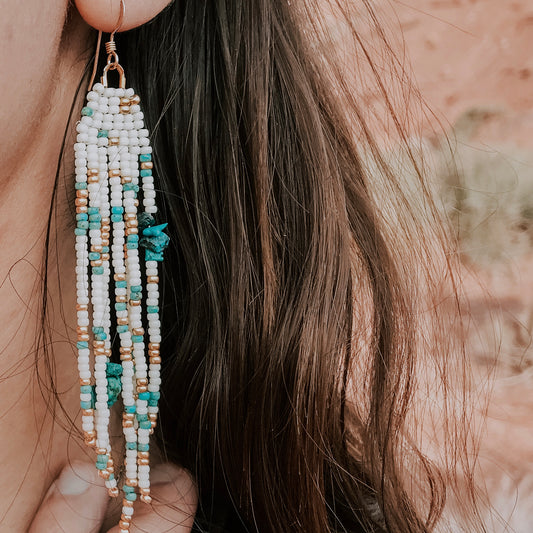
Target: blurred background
x=472 y=62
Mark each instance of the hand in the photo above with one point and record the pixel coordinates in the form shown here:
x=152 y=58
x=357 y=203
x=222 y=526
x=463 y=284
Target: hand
x=77 y=502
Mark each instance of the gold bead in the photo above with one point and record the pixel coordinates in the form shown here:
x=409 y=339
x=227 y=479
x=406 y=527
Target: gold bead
x=96 y=263
x=143 y=455
x=83 y=337
x=114 y=173
x=81 y=201
x=143 y=462
x=124 y=525
x=113 y=141
x=146 y=498
x=98 y=344
x=124 y=101
x=82 y=193
x=92 y=179
x=152 y=417
x=138 y=331
x=156 y=360
x=93 y=172
x=101 y=451
x=113 y=492
x=135 y=99
x=122 y=321
x=127 y=503
x=125 y=179
x=81 y=209
x=124 y=109
x=96 y=248
x=128 y=416
x=152 y=279
x=82 y=307
x=132 y=231
x=142 y=389
x=121 y=298
x=130 y=482
x=154 y=345
x=135 y=303
x=142 y=382
x=147 y=165
x=125 y=350
x=105 y=257
x=85 y=382
x=86 y=412
x=106 y=221
x=104 y=474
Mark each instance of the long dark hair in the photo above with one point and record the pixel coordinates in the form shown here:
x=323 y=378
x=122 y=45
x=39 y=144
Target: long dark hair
x=290 y=332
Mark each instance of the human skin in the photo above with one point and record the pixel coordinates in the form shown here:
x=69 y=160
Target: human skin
x=44 y=48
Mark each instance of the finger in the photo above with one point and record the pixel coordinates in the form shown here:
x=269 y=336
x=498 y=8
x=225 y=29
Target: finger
x=174 y=501
x=76 y=501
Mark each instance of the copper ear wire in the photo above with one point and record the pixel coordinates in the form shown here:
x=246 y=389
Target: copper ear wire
x=112 y=56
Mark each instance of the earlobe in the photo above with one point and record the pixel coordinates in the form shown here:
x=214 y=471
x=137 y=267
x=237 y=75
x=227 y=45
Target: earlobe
x=103 y=15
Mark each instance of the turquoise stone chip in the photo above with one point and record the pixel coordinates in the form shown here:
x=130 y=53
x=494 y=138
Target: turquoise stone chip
x=145 y=172
x=145 y=424
x=152 y=309
x=86 y=389
x=116 y=218
x=87 y=111
x=122 y=284
x=131 y=496
x=93 y=256
x=144 y=395
x=136 y=338
x=122 y=329
x=92 y=210
x=82 y=216
x=86 y=405
x=102 y=133
x=143 y=158
x=80 y=185
x=80 y=231
x=82 y=344
x=143 y=447
x=94 y=225
x=98 y=270
x=120 y=306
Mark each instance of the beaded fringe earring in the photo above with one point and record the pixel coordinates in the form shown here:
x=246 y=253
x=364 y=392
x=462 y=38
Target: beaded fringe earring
x=113 y=162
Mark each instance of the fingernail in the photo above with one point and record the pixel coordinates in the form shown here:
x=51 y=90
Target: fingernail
x=164 y=473
x=76 y=479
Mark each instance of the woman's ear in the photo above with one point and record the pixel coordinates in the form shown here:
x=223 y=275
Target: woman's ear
x=104 y=15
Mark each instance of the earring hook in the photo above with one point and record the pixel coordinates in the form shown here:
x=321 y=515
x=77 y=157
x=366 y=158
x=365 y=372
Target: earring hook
x=112 y=56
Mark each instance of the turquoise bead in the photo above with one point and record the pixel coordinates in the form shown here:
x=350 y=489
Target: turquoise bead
x=80 y=185
x=97 y=217
x=145 y=172
x=131 y=445
x=146 y=424
x=133 y=238
x=101 y=336
x=101 y=466
x=136 y=288
x=152 y=403
x=94 y=225
x=144 y=395
x=131 y=496
x=105 y=249
x=152 y=309
x=80 y=231
x=132 y=245
x=116 y=218
x=135 y=296
x=82 y=216
x=130 y=408
x=140 y=417
x=122 y=284
x=87 y=111
x=117 y=210
x=82 y=224
x=130 y=187
x=155 y=395
x=97 y=329
x=122 y=329
x=86 y=389
x=86 y=405
x=93 y=256
x=143 y=158
x=102 y=133
x=143 y=447
x=98 y=270
x=102 y=457
x=82 y=344
x=136 y=338
x=120 y=306
x=92 y=210
x=128 y=489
